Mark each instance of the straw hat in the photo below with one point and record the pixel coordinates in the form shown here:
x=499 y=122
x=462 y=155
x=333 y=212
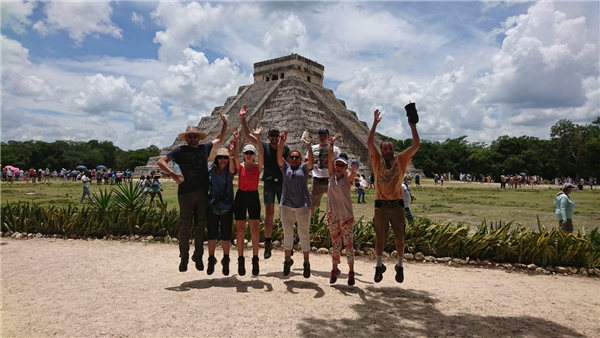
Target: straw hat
x=220 y=152
x=191 y=130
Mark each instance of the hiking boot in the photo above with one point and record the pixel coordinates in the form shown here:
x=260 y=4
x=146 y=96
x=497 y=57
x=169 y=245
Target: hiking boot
x=268 y=248
x=287 y=265
x=211 y=265
x=399 y=274
x=379 y=270
x=183 y=264
x=306 y=272
x=334 y=275
x=199 y=263
x=241 y=266
x=351 y=278
x=255 y=267
x=225 y=263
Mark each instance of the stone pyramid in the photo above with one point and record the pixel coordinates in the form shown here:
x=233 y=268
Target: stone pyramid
x=288 y=94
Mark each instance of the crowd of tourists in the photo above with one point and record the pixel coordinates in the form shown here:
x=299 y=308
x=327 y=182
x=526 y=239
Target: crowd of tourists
x=208 y=203
x=102 y=176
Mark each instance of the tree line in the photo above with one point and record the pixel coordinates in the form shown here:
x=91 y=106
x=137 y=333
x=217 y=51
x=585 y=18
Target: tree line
x=572 y=150
x=70 y=154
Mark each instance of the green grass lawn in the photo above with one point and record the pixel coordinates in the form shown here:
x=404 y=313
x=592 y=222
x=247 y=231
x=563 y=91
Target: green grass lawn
x=455 y=201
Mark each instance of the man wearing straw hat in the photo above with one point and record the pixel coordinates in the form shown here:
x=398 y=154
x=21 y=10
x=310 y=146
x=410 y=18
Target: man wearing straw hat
x=192 y=191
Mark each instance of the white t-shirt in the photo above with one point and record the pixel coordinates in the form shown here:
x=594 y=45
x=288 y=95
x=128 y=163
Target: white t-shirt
x=320 y=166
x=86 y=181
x=406 y=195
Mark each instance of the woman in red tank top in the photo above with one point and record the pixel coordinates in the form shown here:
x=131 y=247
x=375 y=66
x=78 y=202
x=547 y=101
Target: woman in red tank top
x=247 y=201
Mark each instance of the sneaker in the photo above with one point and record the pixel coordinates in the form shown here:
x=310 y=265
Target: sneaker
x=199 y=263
x=334 y=275
x=255 y=268
x=287 y=266
x=268 y=248
x=241 y=266
x=379 y=270
x=211 y=265
x=306 y=272
x=399 y=274
x=225 y=263
x=351 y=278
x=183 y=265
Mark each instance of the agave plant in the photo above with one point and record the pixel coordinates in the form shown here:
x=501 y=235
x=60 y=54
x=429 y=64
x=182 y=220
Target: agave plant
x=129 y=197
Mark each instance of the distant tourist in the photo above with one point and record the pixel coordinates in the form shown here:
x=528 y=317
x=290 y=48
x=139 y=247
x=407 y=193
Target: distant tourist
x=389 y=205
x=407 y=197
x=192 y=192
x=85 y=183
x=156 y=190
x=564 y=208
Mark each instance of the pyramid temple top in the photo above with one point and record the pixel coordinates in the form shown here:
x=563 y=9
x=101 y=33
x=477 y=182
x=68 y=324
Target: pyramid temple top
x=291 y=65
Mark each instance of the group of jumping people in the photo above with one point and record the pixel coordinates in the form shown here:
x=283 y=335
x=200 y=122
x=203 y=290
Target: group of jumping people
x=207 y=199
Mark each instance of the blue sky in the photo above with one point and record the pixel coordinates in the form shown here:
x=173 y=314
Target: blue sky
x=137 y=73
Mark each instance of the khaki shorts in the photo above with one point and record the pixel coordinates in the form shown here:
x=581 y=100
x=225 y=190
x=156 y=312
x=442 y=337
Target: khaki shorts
x=386 y=213
x=318 y=190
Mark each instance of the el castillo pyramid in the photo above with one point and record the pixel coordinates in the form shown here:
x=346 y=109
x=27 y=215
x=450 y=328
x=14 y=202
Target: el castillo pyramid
x=288 y=94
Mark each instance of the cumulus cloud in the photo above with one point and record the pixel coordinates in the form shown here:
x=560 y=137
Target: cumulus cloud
x=105 y=94
x=186 y=25
x=15 y=15
x=282 y=39
x=543 y=61
x=78 y=19
x=196 y=84
x=147 y=112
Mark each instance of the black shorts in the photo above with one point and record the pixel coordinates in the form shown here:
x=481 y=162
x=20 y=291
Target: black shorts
x=246 y=201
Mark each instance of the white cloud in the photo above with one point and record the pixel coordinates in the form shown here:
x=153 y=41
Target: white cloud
x=543 y=61
x=186 y=25
x=137 y=19
x=15 y=15
x=196 y=84
x=282 y=39
x=79 y=19
x=105 y=94
x=147 y=113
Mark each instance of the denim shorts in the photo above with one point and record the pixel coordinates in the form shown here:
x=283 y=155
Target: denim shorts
x=270 y=190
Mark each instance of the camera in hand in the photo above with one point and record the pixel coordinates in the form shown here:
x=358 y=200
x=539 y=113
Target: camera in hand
x=411 y=112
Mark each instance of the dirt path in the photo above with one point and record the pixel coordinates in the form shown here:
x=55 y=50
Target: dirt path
x=58 y=288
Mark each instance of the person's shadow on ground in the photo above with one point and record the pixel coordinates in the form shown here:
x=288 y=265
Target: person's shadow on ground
x=395 y=312
x=227 y=282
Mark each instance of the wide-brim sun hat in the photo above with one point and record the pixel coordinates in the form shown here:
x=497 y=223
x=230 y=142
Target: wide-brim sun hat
x=191 y=130
x=220 y=152
x=567 y=186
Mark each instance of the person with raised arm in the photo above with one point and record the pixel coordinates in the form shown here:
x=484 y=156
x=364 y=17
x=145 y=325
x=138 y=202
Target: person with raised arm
x=192 y=192
x=247 y=201
x=389 y=206
x=272 y=176
x=295 y=202
x=340 y=216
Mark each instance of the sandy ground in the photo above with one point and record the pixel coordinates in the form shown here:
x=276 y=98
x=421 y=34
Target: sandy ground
x=77 y=288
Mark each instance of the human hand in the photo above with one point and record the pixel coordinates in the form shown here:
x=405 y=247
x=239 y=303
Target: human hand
x=178 y=178
x=377 y=116
x=223 y=118
x=257 y=131
x=230 y=147
x=332 y=140
x=243 y=111
x=354 y=167
x=236 y=133
x=283 y=136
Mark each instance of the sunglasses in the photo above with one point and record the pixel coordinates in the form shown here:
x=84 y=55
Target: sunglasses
x=340 y=165
x=294 y=157
x=248 y=152
x=222 y=157
x=273 y=135
x=192 y=137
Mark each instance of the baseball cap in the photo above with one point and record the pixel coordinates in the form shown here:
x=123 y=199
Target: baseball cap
x=324 y=131
x=342 y=159
x=273 y=130
x=249 y=147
